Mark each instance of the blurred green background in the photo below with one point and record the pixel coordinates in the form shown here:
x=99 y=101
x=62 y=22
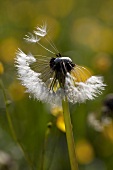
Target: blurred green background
x=31 y=137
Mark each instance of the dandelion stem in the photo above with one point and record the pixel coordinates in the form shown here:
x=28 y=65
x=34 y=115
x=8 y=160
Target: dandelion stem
x=69 y=135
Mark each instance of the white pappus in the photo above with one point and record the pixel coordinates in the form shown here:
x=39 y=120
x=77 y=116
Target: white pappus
x=49 y=79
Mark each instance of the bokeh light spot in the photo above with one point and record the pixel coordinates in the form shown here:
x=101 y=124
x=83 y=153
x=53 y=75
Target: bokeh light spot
x=60 y=9
x=8 y=48
x=56 y=111
x=108 y=131
x=106 y=11
x=91 y=33
x=84 y=152
x=1 y=68
x=16 y=91
x=102 y=62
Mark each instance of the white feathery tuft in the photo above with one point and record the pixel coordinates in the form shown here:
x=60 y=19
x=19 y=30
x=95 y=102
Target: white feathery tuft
x=32 y=38
x=82 y=91
x=41 y=31
x=75 y=91
x=95 y=123
x=32 y=82
x=36 y=35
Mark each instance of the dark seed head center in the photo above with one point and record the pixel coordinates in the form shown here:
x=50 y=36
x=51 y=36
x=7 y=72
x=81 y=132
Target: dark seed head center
x=61 y=66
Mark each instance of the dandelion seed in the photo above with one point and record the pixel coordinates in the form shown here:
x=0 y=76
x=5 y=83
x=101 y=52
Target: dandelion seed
x=32 y=38
x=41 y=31
x=50 y=79
x=36 y=35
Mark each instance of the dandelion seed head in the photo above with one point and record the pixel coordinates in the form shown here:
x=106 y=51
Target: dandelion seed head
x=50 y=79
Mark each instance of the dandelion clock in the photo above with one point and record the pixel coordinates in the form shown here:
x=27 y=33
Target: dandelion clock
x=57 y=76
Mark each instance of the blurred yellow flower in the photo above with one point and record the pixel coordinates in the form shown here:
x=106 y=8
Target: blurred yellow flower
x=60 y=123
x=16 y=91
x=91 y=32
x=84 y=151
x=60 y=8
x=108 y=131
x=106 y=11
x=102 y=62
x=1 y=68
x=58 y=112
x=8 y=48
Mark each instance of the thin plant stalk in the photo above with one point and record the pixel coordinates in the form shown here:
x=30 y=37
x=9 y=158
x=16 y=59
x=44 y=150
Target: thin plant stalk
x=69 y=135
x=13 y=131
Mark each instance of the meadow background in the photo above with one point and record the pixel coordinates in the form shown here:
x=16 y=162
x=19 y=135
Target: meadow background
x=32 y=136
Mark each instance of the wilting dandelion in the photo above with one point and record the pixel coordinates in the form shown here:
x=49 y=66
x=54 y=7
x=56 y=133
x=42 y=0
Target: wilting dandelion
x=50 y=79
x=56 y=80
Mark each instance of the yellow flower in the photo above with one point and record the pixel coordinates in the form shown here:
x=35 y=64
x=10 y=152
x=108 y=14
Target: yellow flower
x=16 y=91
x=1 y=68
x=84 y=151
x=58 y=112
x=60 y=123
x=7 y=49
x=108 y=131
x=102 y=61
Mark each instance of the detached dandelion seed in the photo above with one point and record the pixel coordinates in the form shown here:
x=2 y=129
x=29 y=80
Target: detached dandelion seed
x=56 y=80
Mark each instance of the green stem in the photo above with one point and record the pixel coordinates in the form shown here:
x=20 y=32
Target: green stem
x=12 y=128
x=69 y=135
